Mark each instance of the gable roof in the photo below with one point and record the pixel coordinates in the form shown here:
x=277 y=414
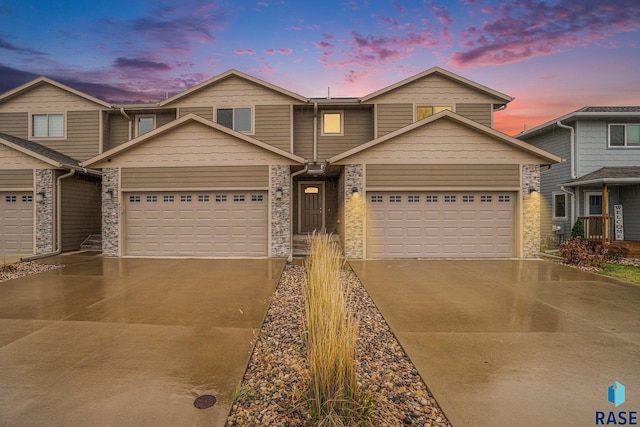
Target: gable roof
x=609 y=175
x=38 y=151
x=180 y=122
x=444 y=73
x=226 y=75
x=590 y=112
x=44 y=80
x=543 y=155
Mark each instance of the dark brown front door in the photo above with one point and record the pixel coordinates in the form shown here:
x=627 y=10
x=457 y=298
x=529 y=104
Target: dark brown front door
x=311 y=196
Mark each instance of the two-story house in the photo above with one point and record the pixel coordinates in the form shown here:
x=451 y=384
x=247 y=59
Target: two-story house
x=235 y=167
x=600 y=180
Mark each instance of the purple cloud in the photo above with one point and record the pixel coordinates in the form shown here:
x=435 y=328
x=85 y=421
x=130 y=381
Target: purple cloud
x=526 y=29
x=9 y=46
x=244 y=52
x=141 y=64
x=287 y=51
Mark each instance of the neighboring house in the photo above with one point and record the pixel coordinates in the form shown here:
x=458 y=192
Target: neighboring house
x=235 y=167
x=600 y=177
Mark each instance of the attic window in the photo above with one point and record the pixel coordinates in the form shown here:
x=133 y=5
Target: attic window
x=332 y=123
x=423 y=111
x=47 y=125
x=238 y=119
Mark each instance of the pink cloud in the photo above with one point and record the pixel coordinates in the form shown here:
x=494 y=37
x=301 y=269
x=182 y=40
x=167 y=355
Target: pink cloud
x=270 y=51
x=244 y=52
x=521 y=30
x=287 y=51
x=296 y=28
x=443 y=15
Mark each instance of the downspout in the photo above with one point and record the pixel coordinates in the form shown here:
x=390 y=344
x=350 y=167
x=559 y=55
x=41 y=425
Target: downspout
x=58 y=242
x=573 y=198
x=293 y=175
x=128 y=118
x=315 y=132
x=573 y=169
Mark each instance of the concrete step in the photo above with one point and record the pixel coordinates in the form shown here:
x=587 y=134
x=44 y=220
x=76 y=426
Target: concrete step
x=92 y=243
x=300 y=246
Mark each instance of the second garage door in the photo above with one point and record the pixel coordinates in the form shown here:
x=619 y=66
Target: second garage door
x=440 y=225
x=204 y=224
x=16 y=222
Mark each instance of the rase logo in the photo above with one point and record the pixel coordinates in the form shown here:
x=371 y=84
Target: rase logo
x=616 y=396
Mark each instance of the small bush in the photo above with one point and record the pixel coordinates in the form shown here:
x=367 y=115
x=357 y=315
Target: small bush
x=578 y=229
x=616 y=252
x=8 y=268
x=578 y=252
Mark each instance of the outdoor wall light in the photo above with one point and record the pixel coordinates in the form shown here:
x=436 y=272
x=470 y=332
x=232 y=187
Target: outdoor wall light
x=354 y=190
x=108 y=195
x=532 y=190
x=40 y=196
x=278 y=193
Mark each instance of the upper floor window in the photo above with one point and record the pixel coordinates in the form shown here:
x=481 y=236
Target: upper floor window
x=47 y=125
x=145 y=124
x=624 y=135
x=424 y=111
x=238 y=119
x=332 y=123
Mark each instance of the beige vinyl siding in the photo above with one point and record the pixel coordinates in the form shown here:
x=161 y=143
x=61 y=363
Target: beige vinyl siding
x=46 y=98
x=15 y=124
x=81 y=210
x=18 y=178
x=196 y=177
x=195 y=144
x=273 y=125
x=393 y=117
x=358 y=129
x=164 y=117
x=204 y=112
x=233 y=92
x=435 y=89
x=14 y=159
x=480 y=113
x=83 y=135
x=118 y=130
x=106 y=131
x=442 y=176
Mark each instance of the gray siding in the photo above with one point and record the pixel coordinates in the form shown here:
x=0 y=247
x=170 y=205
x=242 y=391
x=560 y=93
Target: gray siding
x=442 y=176
x=16 y=178
x=81 y=210
x=204 y=112
x=273 y=125
x=393 y=117
x=480 y=113
x=16 y=124
x=195 y=177
x=358 y=129
x=593 y=151
x=630 y=200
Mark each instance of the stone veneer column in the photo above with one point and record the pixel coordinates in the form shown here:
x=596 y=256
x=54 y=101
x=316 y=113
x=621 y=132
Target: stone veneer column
x=354 y=207
x=280 y=211
x=110 y=213
x=531 y=205
x=45 y=218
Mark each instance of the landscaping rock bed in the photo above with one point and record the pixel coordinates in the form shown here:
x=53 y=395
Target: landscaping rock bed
x=274 y=386
x=10 y=271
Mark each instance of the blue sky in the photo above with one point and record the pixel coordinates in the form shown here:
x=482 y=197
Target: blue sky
x=552 y=56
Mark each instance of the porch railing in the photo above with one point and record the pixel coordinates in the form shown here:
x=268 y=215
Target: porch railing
x=597 y=229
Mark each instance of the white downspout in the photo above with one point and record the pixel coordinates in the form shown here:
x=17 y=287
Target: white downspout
x=130 y=121
x=58 y=201
x=573 y=198
x=574 y=162
x=291 y=213
x=315 y=132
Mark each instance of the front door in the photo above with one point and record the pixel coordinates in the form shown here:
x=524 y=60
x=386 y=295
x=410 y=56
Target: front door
x=311 y=207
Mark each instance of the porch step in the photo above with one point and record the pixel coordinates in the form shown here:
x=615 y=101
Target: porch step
x=301 y=247
x=92 y=243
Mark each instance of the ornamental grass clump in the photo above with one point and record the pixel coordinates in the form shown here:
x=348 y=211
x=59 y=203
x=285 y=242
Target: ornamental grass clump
x=335 y=397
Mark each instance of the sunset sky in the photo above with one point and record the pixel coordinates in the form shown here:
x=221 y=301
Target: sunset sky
x=552 y=56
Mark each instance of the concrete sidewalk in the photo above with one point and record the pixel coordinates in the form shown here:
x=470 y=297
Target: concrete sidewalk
x=129 y=342
x=512 y=343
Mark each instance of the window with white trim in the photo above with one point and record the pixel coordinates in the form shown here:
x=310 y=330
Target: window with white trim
x=593 y=203
x=238 y=119
x=47 y=125
x=424 y=111
x=332 y=123
x=559 y=207
x=624 y=135
x=145 y=124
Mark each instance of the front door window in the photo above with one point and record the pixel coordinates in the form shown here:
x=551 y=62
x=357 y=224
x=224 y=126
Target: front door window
x=594 y=205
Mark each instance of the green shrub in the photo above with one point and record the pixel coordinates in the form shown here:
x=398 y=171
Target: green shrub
x=578 y=229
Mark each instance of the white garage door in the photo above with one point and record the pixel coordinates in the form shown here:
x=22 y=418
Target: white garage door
x=207 y=224
x=16 y=222
x=440 y=225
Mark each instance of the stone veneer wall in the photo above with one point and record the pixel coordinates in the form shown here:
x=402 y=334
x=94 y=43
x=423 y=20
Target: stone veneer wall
x=45 y=218
x=354 y=207
x=280 y=211
x=531 y=204
x=110 y=213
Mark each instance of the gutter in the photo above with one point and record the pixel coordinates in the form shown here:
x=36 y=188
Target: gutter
x=293 y=175
x=128 y=118
x=58 y=201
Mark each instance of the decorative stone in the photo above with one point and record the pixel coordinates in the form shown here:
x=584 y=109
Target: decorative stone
x=110 y=213
x=354 y=211
x=531 y=203
x=280 y=211
x=44 y=211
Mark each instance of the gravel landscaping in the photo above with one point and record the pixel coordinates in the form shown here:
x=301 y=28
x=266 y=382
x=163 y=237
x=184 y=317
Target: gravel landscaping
x=273 y=388
x=10 y=271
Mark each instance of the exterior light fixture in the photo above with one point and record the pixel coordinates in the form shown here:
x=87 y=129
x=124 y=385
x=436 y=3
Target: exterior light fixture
x=108 y=195
x=40 y=196
x=532 y=190
x=278 y=193
x=354 y=190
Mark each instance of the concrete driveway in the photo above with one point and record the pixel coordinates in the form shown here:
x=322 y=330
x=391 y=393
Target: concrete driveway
x=129 y=342
x=512 y=343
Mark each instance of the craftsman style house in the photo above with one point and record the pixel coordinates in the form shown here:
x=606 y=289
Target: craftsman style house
x=237 y=167
x=600 y=180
